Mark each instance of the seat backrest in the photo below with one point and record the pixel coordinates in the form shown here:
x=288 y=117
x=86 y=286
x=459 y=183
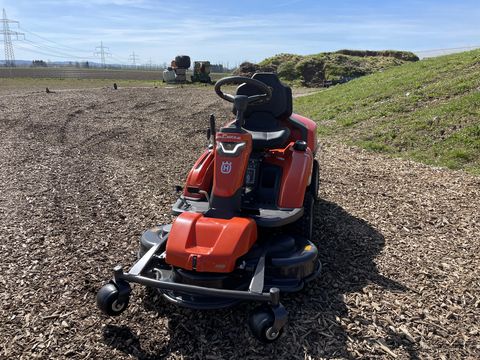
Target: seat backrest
x=280 y=106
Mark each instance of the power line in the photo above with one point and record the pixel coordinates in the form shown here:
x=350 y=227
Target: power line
x=7 y=39
x=40 y=52
x=120 y=59
x=58 y=45
x=47 y=47
x=55 y=52
x=60 y=48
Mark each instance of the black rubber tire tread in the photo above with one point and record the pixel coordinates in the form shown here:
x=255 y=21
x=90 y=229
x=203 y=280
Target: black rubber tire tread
x=259 y=321
x=304 y=226
x=315 y=182
x=182 y=61
x=106 y=296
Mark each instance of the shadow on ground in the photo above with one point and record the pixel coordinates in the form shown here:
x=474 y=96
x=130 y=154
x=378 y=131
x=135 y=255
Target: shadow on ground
x=348 y=247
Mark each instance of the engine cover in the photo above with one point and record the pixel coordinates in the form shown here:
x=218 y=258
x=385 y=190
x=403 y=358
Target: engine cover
x=209 y=244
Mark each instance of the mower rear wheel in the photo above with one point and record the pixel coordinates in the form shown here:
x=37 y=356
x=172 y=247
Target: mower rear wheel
x=261 y=324
x=315 y=181
x=304 y=225
x=108 y=300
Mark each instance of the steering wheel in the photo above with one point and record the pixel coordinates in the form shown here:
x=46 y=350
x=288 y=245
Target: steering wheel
x=237 y=80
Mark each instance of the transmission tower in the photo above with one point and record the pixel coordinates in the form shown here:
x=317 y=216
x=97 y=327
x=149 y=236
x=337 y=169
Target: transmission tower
x=134 y=58
x=101 y=50
x=7 y=39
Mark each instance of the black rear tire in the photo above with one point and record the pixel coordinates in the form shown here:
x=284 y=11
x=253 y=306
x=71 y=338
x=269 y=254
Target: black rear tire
x=304 y=226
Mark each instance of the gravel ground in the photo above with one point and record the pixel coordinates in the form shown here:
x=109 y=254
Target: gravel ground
x=83 y=173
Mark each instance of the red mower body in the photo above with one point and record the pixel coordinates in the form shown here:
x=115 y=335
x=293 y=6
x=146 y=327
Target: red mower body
x=244 y=226
x=296 y=169
x=200 y=177
x=213 y=244
x=213 y=240
x=296 y=165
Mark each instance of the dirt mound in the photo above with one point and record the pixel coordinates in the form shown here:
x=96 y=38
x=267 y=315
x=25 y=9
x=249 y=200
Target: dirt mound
x=83 y=173
x=330 y=68
x=248 y=69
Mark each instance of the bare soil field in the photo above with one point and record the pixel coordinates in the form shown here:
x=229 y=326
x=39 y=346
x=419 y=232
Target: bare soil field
x=80 y=73
x=84 y=172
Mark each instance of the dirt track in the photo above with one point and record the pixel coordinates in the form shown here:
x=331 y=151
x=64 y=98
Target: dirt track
x=82 y=173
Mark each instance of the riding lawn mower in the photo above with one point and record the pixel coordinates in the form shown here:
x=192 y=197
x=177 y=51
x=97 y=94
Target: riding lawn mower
x=243 y=230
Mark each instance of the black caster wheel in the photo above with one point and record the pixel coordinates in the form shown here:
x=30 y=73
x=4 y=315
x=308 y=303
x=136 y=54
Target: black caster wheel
x=261 y=324
x=108 y=299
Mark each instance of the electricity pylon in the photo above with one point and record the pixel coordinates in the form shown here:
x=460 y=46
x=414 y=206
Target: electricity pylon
x=134 y=58
x=7 y=39
x=101 y=50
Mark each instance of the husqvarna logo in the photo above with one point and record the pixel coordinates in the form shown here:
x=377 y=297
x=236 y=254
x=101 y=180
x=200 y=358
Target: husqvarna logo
x=226 y=167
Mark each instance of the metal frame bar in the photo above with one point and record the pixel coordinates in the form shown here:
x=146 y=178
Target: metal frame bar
x=272 y=296
x=254 y=293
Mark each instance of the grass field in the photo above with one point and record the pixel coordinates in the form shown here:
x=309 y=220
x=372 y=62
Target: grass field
x=428 y=111
x=72 y=78
x=13 y=85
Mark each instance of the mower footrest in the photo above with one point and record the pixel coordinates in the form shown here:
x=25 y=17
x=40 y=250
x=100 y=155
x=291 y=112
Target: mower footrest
x=264 y=217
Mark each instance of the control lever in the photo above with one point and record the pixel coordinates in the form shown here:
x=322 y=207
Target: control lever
x=212 y=130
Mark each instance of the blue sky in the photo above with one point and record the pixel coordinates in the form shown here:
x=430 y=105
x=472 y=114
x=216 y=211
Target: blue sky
x=234 y=31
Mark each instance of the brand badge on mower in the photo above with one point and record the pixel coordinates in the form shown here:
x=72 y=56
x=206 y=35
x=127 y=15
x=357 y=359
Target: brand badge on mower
x=226 y=167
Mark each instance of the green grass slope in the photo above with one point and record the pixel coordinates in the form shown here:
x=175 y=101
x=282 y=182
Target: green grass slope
x=428 y=111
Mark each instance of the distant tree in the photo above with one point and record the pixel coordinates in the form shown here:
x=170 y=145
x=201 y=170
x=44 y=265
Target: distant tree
x=77 y=64
x=217 y=68
x=39 y=63
x=86 y=64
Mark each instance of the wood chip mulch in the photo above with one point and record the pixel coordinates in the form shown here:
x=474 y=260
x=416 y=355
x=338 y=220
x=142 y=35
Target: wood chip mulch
x=83 y=173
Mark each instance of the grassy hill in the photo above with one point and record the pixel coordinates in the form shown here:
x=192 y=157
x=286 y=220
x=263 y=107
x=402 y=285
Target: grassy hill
x=428 y=111
x=314 y=70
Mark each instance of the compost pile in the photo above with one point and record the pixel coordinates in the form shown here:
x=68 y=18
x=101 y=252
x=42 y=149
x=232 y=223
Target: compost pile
x=84 y=172
x=248 y=69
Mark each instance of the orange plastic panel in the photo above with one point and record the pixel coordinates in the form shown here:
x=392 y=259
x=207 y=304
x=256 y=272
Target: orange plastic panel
x=201 y=175
x=209 y=244
x=297 y=168
x=229 y=171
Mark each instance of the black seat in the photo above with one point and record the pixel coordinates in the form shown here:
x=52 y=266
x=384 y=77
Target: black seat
x=264 y=121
